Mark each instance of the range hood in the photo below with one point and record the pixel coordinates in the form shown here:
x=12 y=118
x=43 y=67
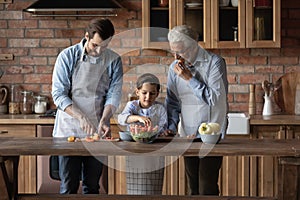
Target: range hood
x=62 y=7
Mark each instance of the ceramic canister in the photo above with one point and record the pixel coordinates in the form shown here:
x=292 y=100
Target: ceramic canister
x=224 y=2
x=234 y=3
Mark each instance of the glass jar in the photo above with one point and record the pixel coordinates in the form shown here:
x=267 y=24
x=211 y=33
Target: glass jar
x=26 y=103
x=14 y=101
x=163 y=3
x=40 y=105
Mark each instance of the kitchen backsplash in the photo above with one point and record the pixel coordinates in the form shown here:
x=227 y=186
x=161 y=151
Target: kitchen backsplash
x=36 y=41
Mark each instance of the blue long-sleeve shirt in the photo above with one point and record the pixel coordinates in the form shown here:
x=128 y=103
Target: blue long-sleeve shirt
x=201 y=99
x=65 y=65
x=63 y=70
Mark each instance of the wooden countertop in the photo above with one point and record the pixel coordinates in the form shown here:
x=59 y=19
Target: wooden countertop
x=275 y=120
x=254 y=119
x=31 y=119
x=25 y=119
x=177 y=147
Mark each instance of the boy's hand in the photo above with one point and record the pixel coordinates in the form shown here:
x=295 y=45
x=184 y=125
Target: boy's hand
x=145 y=120
x=168 y=133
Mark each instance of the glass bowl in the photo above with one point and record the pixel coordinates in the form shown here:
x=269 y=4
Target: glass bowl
x=143 y=134
x=125 y=136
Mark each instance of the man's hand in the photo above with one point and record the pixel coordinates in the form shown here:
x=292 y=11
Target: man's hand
x=85 y=124
x=182 y=71
x=104 y=124
x=104 y=130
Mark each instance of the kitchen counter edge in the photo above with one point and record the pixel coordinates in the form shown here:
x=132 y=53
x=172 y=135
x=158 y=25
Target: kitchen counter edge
x=275 y=119
x=31 y=119
x=254 y=119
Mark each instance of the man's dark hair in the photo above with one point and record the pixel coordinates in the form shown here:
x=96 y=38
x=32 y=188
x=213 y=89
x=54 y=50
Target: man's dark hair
x=102 y=26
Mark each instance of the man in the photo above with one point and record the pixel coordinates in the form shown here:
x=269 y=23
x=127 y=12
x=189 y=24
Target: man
x=86 y=88
x=197 y=92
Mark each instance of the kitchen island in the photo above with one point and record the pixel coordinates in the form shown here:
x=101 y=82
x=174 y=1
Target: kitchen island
x=12 y=148
x=240 y=175
x=33 y=170
x=24 y=126
x=164 y=146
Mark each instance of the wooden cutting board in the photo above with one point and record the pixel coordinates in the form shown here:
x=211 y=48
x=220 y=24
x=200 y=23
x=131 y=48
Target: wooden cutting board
x=297 y=100
x=285 y=93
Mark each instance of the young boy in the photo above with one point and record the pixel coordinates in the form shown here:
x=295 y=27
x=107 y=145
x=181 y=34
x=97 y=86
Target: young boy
x=145 y=174
x=146 y=109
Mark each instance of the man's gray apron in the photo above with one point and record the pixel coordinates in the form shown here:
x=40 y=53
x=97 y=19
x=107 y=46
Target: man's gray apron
x=193 y=112
x=90 y=82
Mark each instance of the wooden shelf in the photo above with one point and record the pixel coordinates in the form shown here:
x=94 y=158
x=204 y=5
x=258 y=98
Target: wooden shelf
x=160 y=8
x=6 y=56
x=5 y=1
x=263 y=7
x=194 y=8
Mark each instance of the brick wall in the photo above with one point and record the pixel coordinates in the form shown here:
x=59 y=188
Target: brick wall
x=36 y=41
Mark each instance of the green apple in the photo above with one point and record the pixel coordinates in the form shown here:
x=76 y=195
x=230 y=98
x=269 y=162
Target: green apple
x=209 y=128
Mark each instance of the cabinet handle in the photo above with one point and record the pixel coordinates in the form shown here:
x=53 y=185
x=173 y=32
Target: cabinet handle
x=3 y=131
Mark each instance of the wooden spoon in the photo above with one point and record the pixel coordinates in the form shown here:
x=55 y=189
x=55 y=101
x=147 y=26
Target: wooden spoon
x=266 y=87
x=1 y=73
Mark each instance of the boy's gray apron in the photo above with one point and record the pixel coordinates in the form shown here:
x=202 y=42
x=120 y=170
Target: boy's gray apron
x=145 y=174
x=90 y=82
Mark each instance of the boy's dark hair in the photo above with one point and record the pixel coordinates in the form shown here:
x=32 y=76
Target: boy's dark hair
x=102 y=26
x=147 y=78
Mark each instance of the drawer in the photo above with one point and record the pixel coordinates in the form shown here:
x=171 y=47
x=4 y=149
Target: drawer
x=17 y=130
x=27 y=164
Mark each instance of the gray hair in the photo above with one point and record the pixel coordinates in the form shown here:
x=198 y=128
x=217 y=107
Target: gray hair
x=183 y=34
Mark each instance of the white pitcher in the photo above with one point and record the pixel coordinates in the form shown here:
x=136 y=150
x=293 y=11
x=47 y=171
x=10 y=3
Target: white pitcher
x=267 y=110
